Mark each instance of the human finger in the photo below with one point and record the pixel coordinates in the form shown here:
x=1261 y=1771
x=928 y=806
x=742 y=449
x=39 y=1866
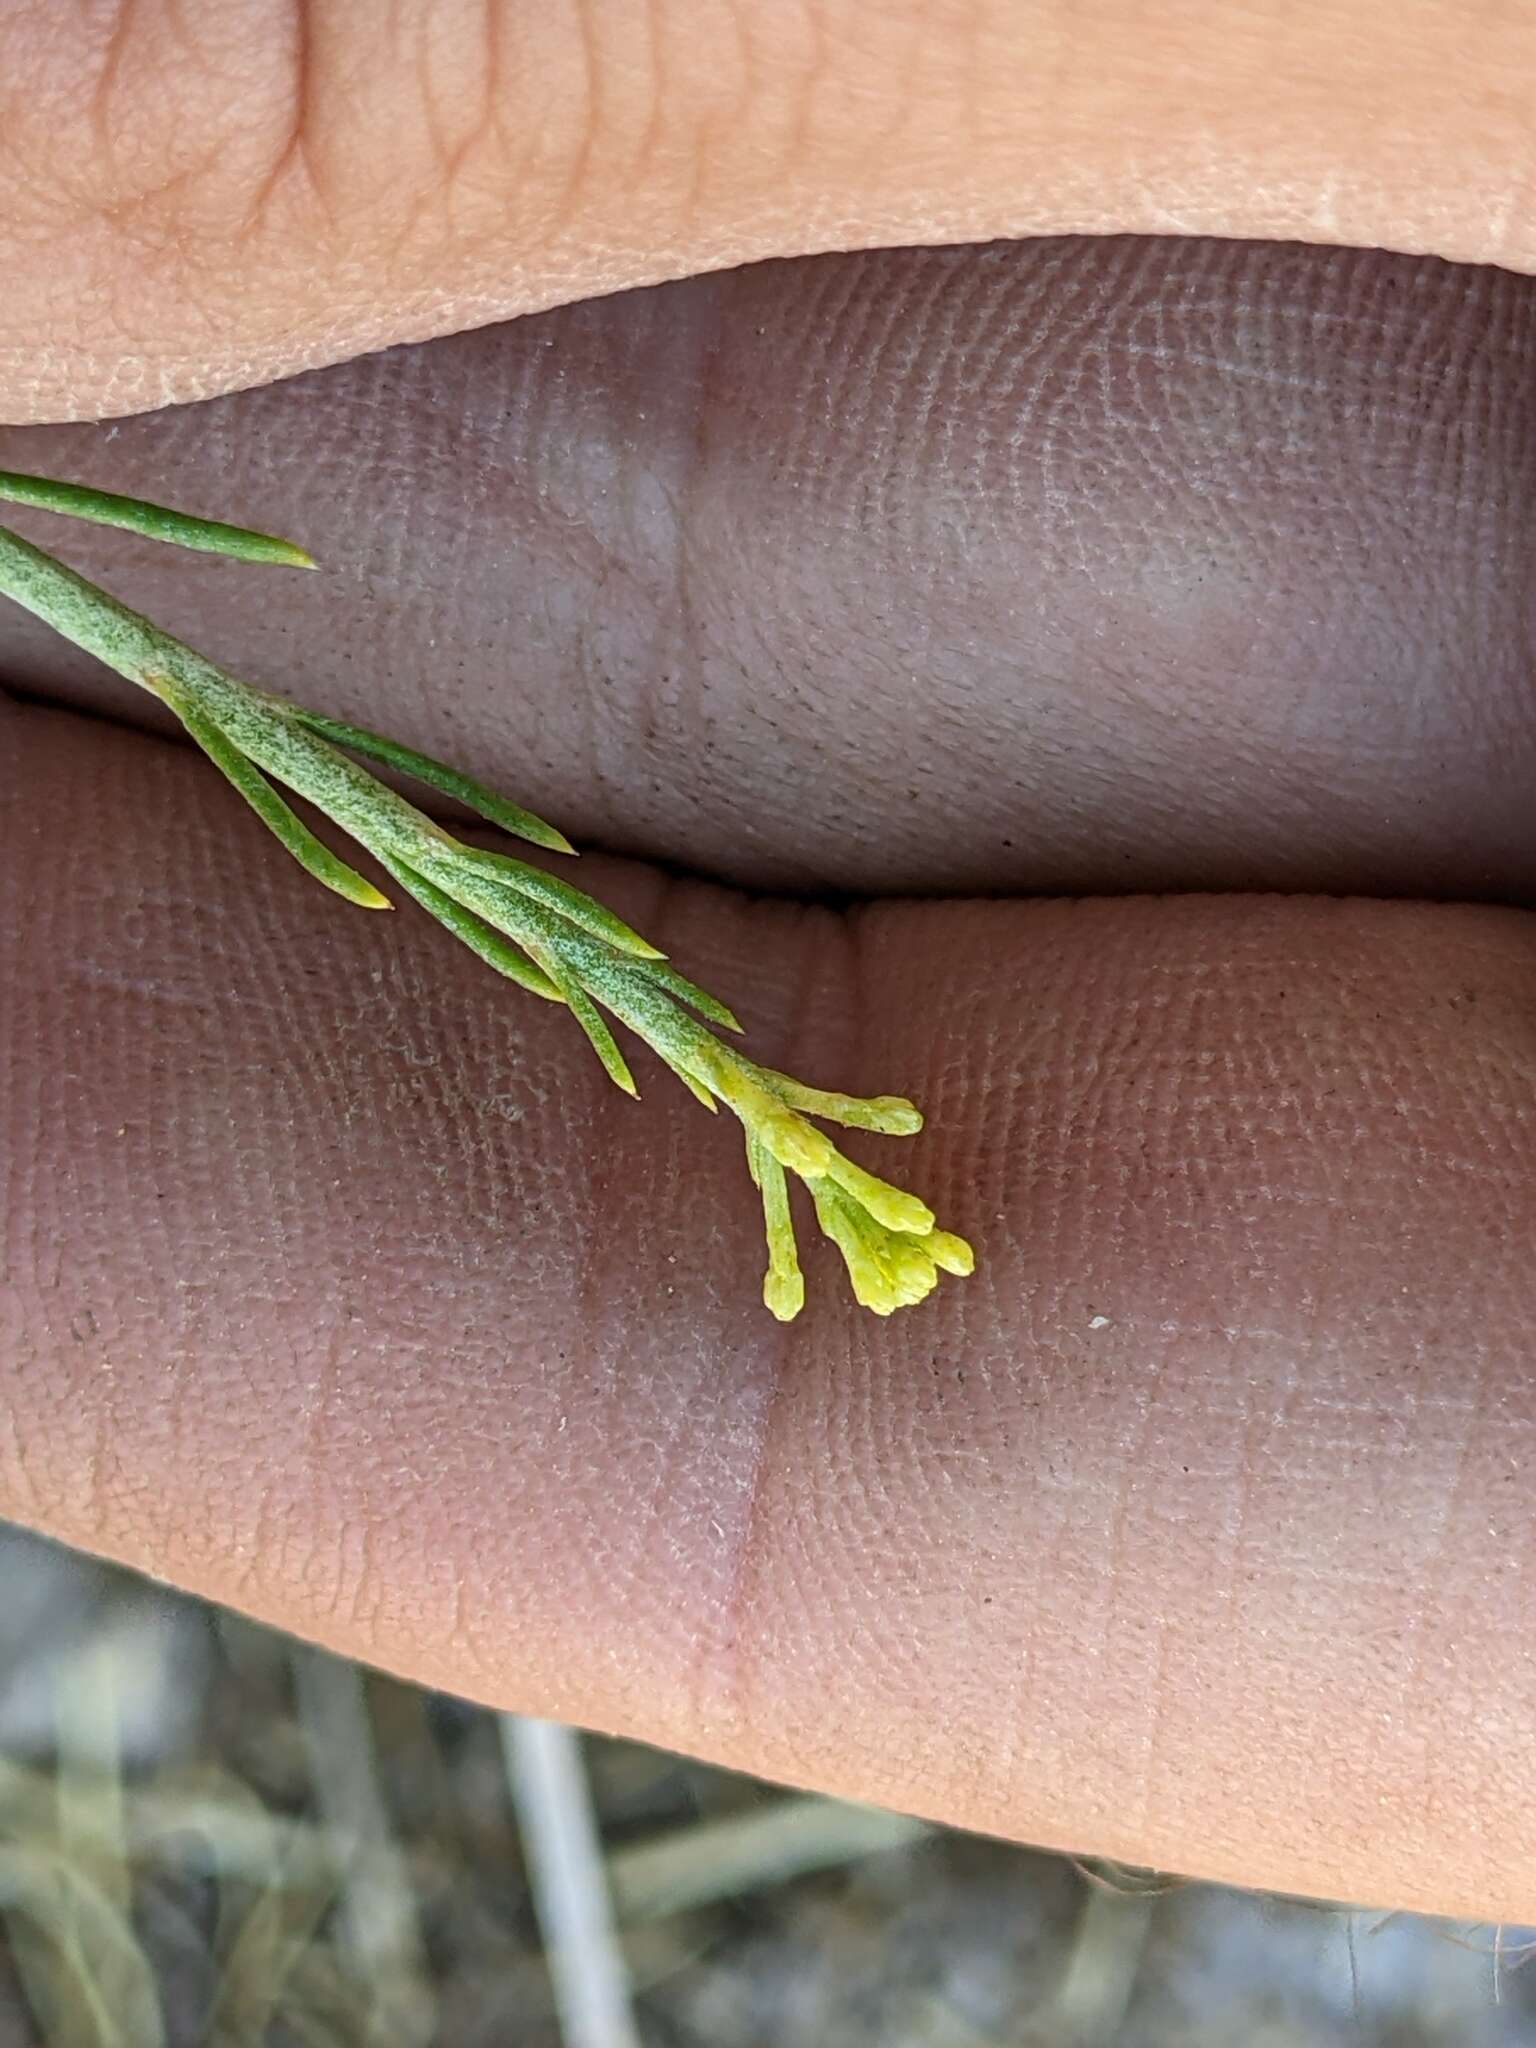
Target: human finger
x=197 y=201
x=340 y=1286
x=1079 y=566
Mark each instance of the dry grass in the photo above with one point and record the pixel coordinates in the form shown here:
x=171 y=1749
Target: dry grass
x=209 y=1834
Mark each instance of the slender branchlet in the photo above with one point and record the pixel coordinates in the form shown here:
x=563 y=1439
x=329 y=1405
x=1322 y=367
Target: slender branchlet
x=532 y=927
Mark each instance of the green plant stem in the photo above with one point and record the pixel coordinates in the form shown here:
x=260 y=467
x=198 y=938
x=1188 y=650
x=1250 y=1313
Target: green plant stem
x=529 y=925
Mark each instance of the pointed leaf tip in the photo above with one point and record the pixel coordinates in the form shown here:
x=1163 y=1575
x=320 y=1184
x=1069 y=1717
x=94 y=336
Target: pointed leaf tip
x=154 y=522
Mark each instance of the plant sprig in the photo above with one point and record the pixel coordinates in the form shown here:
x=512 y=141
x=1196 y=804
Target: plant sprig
x=526 y=923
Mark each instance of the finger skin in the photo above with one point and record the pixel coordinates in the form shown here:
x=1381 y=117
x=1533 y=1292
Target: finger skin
x=1080 y=566
x=1196 y=1529
x=200 y=200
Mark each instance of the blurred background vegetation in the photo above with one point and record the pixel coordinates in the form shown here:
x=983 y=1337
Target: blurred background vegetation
x=212 y=1834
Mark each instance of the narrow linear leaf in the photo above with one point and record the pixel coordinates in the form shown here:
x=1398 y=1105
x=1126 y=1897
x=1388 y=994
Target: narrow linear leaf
x=587 y=1015
x=583 y=910
x=311 y=853
x=691 y=1082
x=667 y=977
x=156 y=522
x=604 y=1044
x=624 y=986
x=438 y=775
x=492 y=948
